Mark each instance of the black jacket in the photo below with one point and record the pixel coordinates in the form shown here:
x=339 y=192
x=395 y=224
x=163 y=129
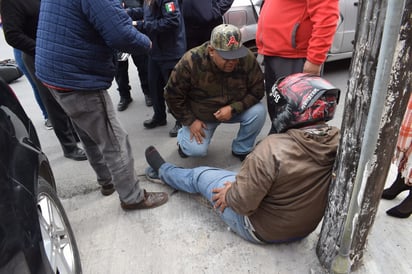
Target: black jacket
x=205 y=12
x=163 y=22
x=20 y=19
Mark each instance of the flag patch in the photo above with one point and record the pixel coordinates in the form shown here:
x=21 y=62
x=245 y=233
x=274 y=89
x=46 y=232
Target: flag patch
x=170 y=7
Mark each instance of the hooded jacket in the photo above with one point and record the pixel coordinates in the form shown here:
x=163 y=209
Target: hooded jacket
x=282 y=186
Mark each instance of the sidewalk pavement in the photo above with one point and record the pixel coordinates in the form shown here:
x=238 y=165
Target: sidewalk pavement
x=184 y=236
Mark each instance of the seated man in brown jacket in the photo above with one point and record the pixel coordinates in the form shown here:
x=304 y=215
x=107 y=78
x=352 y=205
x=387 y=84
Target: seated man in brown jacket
x=280 y=193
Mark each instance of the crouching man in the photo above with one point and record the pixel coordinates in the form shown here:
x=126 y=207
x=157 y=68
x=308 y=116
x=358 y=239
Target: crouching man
x=217 y=82
x=280 y=192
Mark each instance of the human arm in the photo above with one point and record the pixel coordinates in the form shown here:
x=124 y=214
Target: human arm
x=309 y=67
x=196 y=131
x=115 y=26
x=255 y=89
x=135 y=13
x=224 y=113
x=223 y=6
x=177 y=91
x=19 y=24
x=256 y=177
x=166 y=18
x=219 y=196
x=324 y=15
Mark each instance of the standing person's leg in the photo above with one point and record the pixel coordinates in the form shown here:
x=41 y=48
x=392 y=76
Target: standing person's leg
x=200 y=180
x=141 y=62
x=61 y=122
x=97 y=162
x=251 y=123
x=156 y=85
x=20 y=63
x=122 y=80
x=167 y=68
x=93 y=112
x=275 y=68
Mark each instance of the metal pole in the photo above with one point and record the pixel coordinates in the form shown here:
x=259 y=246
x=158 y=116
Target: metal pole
x=342 y=263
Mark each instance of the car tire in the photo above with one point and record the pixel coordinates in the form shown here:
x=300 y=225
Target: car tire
x=58 y=238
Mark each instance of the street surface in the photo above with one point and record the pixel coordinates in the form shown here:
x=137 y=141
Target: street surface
x=184 y=236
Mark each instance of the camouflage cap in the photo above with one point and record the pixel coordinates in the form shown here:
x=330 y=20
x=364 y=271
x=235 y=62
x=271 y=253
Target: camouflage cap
x=226 y=40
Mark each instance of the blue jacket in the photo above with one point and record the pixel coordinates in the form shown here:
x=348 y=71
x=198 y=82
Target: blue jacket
x=163 y=22
x=77 y=40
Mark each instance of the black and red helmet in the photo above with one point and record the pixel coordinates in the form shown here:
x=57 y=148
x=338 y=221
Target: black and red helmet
x=302 y=99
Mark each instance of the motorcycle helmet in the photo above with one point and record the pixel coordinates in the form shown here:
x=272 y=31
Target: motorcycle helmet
x=302 y=99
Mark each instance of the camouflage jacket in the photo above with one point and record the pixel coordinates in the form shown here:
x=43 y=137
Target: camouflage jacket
x=197 y=87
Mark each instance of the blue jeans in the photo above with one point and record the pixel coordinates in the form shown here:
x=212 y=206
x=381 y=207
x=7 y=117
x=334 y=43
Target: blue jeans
x=105 y=141
x=22 y=67
x=251 y=123
x=202 y=180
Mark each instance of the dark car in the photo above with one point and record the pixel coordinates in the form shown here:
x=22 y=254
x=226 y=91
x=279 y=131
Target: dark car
x=35 y=234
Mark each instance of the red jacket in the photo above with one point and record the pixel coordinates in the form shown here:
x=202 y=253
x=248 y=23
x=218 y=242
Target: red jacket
x=297 y=28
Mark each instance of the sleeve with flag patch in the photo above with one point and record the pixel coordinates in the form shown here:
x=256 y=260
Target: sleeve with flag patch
x=170 y=7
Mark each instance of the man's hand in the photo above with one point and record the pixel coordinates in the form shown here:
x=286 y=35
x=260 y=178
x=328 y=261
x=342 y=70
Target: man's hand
x=223 y=114
x=196 y=131
x=220 y=196
x=311 y=68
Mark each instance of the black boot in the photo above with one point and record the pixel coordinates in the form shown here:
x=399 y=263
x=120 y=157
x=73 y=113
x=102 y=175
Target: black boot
x=403 y=210
x=397 y=187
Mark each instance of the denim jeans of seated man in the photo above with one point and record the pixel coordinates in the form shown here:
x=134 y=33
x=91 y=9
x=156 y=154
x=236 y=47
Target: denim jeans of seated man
x=202 y=180
x=251 y=122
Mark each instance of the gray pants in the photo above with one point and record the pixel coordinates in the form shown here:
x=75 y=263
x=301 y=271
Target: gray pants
x=105 y=141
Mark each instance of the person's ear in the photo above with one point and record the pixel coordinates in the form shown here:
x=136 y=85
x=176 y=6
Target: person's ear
x=211 y=50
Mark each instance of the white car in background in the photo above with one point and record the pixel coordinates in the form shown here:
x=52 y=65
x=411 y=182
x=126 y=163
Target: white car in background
x=245 y=13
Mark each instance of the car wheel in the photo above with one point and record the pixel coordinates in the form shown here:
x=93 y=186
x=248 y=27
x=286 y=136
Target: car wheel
x=58 y=238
